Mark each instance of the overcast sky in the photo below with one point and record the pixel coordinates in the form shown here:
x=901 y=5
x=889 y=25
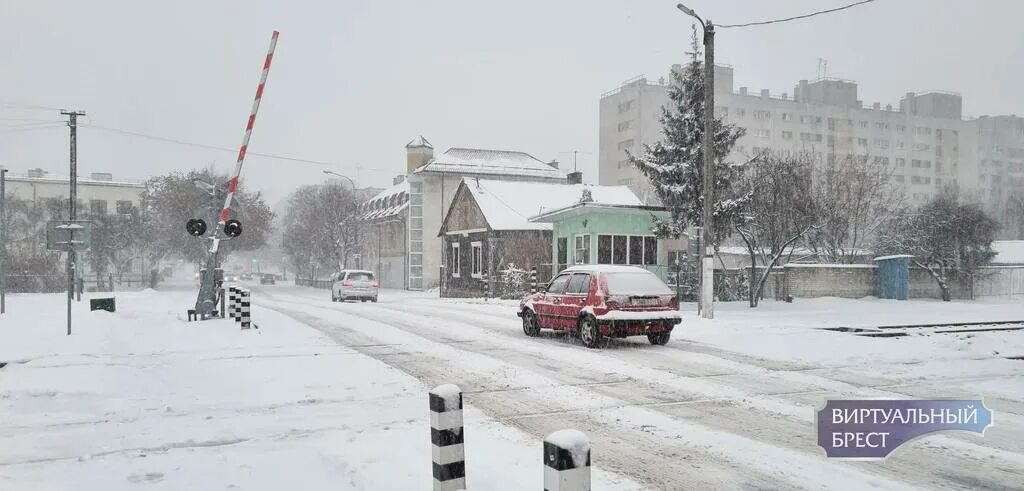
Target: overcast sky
x=353 y=81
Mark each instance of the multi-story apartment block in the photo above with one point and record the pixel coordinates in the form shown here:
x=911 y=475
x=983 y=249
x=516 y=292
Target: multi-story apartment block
x=926 y=140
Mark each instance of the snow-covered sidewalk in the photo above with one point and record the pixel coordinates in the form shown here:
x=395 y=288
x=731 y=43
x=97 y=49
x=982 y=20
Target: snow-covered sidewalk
x=141 y=398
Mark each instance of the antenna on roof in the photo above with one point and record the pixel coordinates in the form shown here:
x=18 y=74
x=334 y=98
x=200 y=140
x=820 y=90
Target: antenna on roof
x=574 y=152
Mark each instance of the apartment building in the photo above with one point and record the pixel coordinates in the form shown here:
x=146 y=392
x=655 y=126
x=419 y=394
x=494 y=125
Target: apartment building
x=1000 y=156
x=925 y=139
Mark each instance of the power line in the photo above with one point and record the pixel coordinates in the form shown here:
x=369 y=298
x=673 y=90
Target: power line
x=812 y=14
x=24 y=105
x=226 y=149
x=18 y=129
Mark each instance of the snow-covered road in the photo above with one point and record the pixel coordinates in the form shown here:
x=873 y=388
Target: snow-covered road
x=693 y=414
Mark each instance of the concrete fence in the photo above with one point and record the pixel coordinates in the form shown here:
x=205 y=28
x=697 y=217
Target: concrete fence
x=860 y=280
x=566 y=458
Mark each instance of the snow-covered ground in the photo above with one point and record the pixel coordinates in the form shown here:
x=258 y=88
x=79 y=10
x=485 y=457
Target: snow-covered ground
x=328 y=395
x=142 y=399
x=728 y=404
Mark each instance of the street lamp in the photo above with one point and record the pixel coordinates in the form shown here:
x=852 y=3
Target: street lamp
x=332 y=173
x=707 y=264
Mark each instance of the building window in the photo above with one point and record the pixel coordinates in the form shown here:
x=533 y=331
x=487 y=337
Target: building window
x=805 y=119
x=881 y=143
x=627 y=249
x=759 y=114
x=456 y=260
x=901 y=128
x=625 y=144
x=787 y=116
x=626 y=182
x=922 y=147
x=98 y=207
x=124 y=207
x=581 y=252
x=915 y=179
x=623 y=126
x=862 y=142
x=900 y=162
x=787 y=135
x=762 y=133
x=740 y=112
x=478 y=259
x=625 y=106
x=863 y=124
x=897 y=178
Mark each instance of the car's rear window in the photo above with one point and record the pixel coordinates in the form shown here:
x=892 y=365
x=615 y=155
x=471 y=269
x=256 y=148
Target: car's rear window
x=360 y=276
x=639 y=283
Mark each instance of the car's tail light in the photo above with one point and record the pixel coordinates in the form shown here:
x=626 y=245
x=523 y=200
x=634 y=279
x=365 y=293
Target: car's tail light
x=374 y=284
x=674 y=302
x=346 y=283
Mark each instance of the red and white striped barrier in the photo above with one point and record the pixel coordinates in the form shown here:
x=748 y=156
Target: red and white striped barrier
x=233 y=183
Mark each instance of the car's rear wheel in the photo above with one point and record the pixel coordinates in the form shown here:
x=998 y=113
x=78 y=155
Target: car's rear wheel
x=590 y=332
x=334 y=297
x=530 y=326
x=374 y=299
x=660 y=338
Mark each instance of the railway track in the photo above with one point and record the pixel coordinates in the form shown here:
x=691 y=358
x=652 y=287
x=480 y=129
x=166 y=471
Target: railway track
x=941 y=328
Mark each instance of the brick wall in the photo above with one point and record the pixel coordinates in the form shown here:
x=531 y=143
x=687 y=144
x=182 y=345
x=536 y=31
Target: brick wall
x=830 y=280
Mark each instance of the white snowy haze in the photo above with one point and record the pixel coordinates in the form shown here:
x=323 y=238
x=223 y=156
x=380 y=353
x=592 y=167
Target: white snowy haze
x=353 y=81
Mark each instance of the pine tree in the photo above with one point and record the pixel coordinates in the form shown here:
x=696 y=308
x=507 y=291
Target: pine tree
x=675 y=165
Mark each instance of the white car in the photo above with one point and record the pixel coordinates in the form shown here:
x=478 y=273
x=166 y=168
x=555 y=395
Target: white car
x=351 y=284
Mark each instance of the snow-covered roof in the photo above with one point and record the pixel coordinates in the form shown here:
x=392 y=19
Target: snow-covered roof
x=419 y=141
x=387 y=203
x=493 y=162
x=1008 y=251
x=606 y=268
x=509 y=205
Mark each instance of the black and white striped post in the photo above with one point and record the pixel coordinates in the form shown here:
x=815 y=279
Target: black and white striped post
x=533 y=280
x=234 y=296
x=244 y=314
x=446 y=438
x=567 y=461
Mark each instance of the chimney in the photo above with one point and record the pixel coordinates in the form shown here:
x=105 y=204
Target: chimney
x=101 y=176
x=764 y=93
x=876 y=106
x=785 y=96
x=888 y=107
x=398 y=179
x=743 y=91
x=574 y=178
x=37 y=172
x=553 y=164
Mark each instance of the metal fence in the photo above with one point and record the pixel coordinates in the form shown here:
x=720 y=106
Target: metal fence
x=322 y=284
x=55 y=283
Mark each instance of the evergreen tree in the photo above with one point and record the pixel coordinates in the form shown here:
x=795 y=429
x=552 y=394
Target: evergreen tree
x=675 y=165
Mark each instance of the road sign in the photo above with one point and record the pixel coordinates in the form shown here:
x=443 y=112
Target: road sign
x=65 y=235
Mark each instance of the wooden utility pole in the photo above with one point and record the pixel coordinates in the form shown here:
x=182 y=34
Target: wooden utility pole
x=72 y=203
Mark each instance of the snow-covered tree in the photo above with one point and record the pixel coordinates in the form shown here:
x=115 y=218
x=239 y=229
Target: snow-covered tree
x=780 y=211
x=675 y=165
x=945 y=236
x=322 y=230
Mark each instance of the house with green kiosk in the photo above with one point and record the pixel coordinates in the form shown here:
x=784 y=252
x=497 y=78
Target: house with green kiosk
x=592 y=232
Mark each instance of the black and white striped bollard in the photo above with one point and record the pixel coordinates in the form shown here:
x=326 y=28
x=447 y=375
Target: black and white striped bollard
x=233 y=298
x=533 y=280
x=567 y=461
x=244 y=315
x=446 y=438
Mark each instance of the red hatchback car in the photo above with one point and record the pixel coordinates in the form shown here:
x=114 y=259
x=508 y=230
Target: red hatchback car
x=599 y=301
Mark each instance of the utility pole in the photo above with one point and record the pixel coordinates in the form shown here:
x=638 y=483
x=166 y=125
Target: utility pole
x=73 y=205
x=3 y=240
x=708 y=295
x=707 y=289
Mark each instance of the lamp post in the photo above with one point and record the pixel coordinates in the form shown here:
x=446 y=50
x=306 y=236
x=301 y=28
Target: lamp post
x=353 y=183
x=707 y=264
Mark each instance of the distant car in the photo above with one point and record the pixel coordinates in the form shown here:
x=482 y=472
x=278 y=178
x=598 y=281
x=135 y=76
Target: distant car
x=246 y=276
x=267 y=279
x=603 y=301
x=353 y=284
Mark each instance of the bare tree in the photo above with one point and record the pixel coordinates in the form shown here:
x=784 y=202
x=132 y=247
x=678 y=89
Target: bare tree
x=854 y=197
x=945 y=237
x=322 y=228
x=779 y=212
